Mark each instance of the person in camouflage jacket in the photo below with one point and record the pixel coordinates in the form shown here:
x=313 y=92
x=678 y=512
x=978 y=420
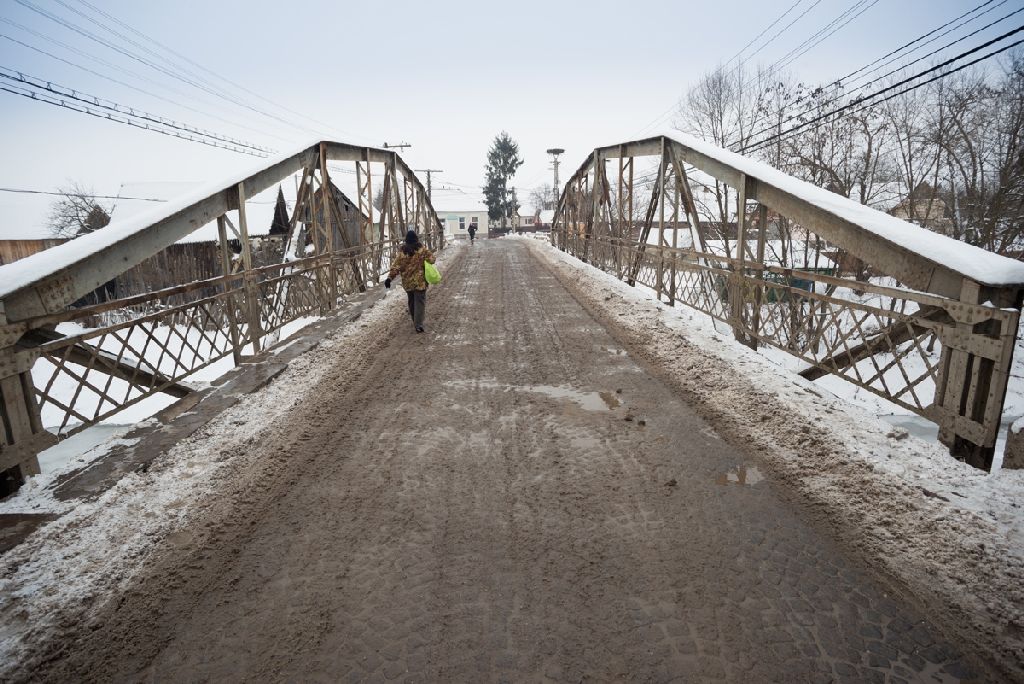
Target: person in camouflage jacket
x=410 y=264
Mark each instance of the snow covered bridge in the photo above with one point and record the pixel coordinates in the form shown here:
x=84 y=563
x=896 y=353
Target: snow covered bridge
x=923 y=320
x=929 y=324
x=64 y=367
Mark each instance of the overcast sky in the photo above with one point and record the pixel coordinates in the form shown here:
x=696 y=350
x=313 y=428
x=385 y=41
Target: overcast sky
x=443 y=76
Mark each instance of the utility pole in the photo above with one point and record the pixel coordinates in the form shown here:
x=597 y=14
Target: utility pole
x=396 y=146
x=554 y=152
x=428 y=172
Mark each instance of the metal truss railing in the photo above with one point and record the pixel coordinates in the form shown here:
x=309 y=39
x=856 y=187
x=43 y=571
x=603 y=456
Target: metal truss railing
x=917 y=318
x=888 y=341
x=151 y=346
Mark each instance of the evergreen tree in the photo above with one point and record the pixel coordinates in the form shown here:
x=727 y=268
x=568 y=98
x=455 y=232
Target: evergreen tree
x=502 y=162
x=279 y=226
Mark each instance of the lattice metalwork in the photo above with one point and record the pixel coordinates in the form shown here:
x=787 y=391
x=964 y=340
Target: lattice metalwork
x=789 y=269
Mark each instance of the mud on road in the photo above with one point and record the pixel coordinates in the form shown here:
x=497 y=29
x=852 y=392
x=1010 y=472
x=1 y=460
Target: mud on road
x=507 y=497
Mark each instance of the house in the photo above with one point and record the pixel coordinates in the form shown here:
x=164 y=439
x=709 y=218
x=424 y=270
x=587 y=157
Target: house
x=925 y=209
x=347 y=227
x=457 y=218
x=526 y=221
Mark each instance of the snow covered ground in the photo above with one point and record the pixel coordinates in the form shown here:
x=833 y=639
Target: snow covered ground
x=951 y=533
x=94 y=549
x=95 y=546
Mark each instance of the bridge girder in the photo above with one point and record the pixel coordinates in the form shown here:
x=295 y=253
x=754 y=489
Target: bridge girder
x=978 y=294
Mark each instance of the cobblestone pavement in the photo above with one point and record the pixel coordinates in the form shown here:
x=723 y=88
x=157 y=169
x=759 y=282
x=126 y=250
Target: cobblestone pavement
x=509 y=497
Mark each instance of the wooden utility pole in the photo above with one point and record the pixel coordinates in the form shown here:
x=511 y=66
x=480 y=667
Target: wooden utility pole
x=428 y=172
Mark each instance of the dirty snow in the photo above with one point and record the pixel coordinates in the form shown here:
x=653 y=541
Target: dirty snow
x=951 y=533
x=94 y=549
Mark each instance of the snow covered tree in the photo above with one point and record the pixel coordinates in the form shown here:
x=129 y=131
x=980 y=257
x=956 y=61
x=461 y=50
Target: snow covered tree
x=502 y=162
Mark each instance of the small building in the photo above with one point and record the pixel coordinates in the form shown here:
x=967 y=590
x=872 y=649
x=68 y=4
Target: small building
x=526 y=221
x=456 y=219
x=926 y=210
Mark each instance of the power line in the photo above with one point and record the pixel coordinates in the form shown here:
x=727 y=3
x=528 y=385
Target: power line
x=780 y=32
x=773 y=67
x=103 y=103
x=107 y=64
x=766 y=30
x=861 y=100
x=262 y=96
x=827 y=35
x=938 y=50
x=122 y=119
x=63 y=194
x=872 y=82
x=920 y=38
x=169 y=72
x=138 y=89
x=828 y=30
x=25 y=191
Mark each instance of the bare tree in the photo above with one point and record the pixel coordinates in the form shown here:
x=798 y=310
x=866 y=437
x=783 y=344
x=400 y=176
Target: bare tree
x=77 y=212
x=542 y=197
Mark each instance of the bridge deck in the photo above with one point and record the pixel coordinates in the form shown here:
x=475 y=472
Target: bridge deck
x=510 y=496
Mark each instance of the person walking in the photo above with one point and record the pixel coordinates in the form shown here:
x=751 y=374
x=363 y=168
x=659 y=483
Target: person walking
x=410 y=264
x=472 y=232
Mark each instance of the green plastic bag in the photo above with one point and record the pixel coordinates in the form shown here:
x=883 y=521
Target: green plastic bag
x=430 y=273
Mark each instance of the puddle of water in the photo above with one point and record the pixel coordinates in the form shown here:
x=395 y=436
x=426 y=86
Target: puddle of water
x=589 y=401
x=742 y=475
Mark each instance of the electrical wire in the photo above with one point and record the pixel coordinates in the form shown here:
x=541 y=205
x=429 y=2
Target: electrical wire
x=922 y=37
x=881 y=78
x=169 y=72
x=766 y=30
x=122 y=119
x=140 y=90
x=860 y=101
x=829 y=30
x=55 y=88
x=783 y=30
x=838 y=97
x=262 y=96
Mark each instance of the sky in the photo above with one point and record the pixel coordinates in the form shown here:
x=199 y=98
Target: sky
x=444 y=76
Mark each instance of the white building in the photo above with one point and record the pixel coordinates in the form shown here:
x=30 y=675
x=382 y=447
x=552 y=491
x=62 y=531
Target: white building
x=457 y=219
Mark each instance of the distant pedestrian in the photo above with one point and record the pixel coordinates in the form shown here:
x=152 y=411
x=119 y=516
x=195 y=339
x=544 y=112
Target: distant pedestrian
x=410 y=264
x=472 y=231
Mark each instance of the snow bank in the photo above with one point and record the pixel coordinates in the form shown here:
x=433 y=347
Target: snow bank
x=973 y=262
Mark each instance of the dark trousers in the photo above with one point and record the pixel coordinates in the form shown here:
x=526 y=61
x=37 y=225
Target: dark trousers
x=417 y=306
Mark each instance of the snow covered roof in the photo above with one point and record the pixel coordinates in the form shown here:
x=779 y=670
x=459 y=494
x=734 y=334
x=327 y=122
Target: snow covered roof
x=460 y=207
x=967 y=260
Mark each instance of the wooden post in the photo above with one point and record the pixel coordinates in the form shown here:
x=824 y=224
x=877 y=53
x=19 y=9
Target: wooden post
x=660 y=289
x=251 y=290
x=225 y=262
x=762 y=227
x=739 y=273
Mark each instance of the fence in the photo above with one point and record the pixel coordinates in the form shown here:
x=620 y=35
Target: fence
x=943 y=353
x=63 y=368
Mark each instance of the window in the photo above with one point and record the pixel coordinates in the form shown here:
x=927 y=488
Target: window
x=462 y=223
x=473 y=220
